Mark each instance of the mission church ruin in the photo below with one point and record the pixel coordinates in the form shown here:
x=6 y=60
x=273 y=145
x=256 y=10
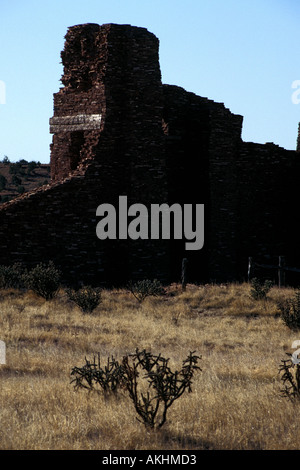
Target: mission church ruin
x=118 y=131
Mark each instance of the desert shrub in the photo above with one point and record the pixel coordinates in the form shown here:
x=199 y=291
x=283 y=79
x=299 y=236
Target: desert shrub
x=290 y=311
x=259 y=289
x=87 y=298
x=44 y=280
x=290 y=377
x=12 y=276
x=164 y=386
x=94 y=377
x=142 y=289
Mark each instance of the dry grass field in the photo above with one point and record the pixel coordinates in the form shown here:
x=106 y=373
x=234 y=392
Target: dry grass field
x=235 y=402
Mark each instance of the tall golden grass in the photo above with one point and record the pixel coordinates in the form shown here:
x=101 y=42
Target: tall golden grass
x=235 y=401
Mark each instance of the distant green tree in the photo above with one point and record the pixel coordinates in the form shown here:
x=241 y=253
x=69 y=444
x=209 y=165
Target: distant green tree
x=16 y=168
x=3 y=182
x=31 y=166
x=16 y=180
x=20 y=189
x=5 y=198
x=5 y=160
x=12 y=169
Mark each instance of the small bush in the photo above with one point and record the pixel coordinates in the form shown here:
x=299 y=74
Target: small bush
x=145 y=288
x=12 y=276
x=87 y=298
x=44 y=280
x=259 y=290
x=290 y=311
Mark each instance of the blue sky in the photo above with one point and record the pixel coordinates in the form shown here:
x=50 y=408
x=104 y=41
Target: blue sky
x=243 y=53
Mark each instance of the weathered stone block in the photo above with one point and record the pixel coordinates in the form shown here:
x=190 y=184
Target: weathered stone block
x=81 y=122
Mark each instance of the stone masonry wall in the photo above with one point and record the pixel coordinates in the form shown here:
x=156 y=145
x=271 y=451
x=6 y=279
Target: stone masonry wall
x=202 y=138
x=122 y=154
x=268 y=196
x=117 y=130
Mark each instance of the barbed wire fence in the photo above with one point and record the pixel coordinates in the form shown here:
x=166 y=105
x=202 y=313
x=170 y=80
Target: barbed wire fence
x=282 y=268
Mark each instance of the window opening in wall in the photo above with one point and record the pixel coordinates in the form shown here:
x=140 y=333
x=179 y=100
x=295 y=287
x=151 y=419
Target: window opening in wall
x=77 y=142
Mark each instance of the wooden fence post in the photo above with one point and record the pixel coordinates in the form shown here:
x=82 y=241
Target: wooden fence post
x=184 y=273
x=249 y=267
x=281 y=271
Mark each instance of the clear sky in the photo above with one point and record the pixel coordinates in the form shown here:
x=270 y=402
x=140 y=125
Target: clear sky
x=243 y=53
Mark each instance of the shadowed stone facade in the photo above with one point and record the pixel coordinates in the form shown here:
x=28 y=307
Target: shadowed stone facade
x=117 y=130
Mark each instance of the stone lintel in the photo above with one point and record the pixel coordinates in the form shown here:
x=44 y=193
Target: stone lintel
x=80 y=122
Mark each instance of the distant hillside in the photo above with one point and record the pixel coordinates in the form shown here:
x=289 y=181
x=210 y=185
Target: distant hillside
x=20 y=177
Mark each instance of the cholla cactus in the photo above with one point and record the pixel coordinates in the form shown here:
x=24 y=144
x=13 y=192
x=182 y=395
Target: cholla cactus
x=290 y=378
x=164 y=385
x=101 y=379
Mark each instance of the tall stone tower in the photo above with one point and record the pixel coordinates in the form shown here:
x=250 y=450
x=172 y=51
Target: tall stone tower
x=112 y=91
x=107 y=126
x=107 y=142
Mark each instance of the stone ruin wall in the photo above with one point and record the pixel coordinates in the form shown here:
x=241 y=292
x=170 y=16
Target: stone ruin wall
x=118 y=131
x=201 y=147
x=268 y=196
x=250 y=190
x=110 y=71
